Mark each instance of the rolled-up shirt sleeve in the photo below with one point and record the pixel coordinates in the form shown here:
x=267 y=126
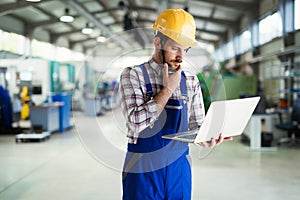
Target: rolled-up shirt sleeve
x=138 y=113
x=197 y=111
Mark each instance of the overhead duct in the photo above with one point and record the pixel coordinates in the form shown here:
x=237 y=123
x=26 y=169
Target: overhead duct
x=131 y=23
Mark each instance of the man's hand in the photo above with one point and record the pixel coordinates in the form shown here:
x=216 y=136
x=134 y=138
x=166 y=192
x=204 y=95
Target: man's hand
x=213 y=142
x=171 y=81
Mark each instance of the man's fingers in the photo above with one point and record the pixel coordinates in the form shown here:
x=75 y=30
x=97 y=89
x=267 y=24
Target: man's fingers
x=166 y=68
x=228 y=138
x=220 y=139
x=212 y=142
x=203 y=144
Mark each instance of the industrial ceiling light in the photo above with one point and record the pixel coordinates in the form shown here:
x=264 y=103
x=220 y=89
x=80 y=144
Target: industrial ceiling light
x=101 y=39
x=87 y=30
x=66 y=17
x=33 y=0
x=111 y=45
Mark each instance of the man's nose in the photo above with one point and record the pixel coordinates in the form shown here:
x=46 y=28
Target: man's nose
x=179 y=53
x=179 y=56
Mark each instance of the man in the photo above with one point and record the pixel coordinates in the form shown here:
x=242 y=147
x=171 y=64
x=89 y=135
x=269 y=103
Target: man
x=158 y=98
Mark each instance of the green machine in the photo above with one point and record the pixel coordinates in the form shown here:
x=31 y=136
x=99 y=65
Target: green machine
x=205 y=91
x=62 y=77
x=221 y=87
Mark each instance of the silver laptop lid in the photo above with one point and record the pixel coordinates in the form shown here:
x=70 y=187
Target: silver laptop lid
x=228 y=117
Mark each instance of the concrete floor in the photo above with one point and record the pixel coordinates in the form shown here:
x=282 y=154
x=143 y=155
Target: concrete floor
x=85 y=162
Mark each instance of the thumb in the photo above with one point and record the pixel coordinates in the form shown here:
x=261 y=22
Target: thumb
x=166 y=70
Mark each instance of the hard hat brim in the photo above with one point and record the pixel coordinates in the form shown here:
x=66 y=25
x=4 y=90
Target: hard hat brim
x=177 y=37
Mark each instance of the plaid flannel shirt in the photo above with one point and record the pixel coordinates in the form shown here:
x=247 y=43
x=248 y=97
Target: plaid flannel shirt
x=140 y=114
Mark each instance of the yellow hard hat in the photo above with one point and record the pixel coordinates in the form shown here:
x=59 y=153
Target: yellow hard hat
x=178 y=25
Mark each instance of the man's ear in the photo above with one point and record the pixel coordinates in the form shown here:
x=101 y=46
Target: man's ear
x=156 y=42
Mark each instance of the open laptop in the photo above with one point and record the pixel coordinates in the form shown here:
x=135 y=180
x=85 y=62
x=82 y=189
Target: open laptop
x=228 y=117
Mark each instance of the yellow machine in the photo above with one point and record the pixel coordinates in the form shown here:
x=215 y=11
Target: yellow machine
x=25 y=103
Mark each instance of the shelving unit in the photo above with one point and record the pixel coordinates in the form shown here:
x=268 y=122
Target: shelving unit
x=282 y=87
x=282 y=82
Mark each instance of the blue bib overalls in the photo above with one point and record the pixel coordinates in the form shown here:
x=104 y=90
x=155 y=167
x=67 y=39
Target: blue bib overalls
x=157 y=168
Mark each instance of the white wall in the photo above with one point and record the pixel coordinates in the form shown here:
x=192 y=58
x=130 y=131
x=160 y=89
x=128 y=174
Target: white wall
x=274 y=46
x=297 y=38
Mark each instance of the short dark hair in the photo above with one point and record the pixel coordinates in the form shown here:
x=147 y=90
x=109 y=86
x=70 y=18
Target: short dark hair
x=163 y=38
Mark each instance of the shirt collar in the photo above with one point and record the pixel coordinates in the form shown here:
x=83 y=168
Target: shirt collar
x=155 y=66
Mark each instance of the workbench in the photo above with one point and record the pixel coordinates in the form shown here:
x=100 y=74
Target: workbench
x=45 y=116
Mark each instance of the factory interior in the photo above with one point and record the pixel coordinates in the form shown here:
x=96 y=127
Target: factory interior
x=62 y=132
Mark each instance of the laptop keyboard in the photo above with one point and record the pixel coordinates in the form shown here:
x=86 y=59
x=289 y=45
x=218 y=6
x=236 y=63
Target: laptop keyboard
x=189 y=136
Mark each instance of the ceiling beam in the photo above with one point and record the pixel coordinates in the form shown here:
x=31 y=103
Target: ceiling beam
x=226 y=23
x=144 y=8
x=28 y=28
x=81 y=10
x=54 y=20
x=57 y=35
x=73 y=42
x=217 y=33
x=238 y=6
x=105 y=10
x=221 y=35
x=53 y=17
x=66 y=33
x=214 y=42
x=10 y=7
x=137 y=8
x=213 y=10
x=40 y=24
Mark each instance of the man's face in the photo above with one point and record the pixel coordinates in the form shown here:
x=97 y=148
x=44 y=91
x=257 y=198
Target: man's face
x=174 y=53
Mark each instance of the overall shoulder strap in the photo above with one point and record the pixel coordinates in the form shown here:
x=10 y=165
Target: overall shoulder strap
x=149 y=92
x=183 y=84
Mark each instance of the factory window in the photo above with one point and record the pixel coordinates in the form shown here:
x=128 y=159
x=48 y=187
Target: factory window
x=269 y=28
x=229 y=50
x=297 y=14
x=244 y=41
x=219 y=54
